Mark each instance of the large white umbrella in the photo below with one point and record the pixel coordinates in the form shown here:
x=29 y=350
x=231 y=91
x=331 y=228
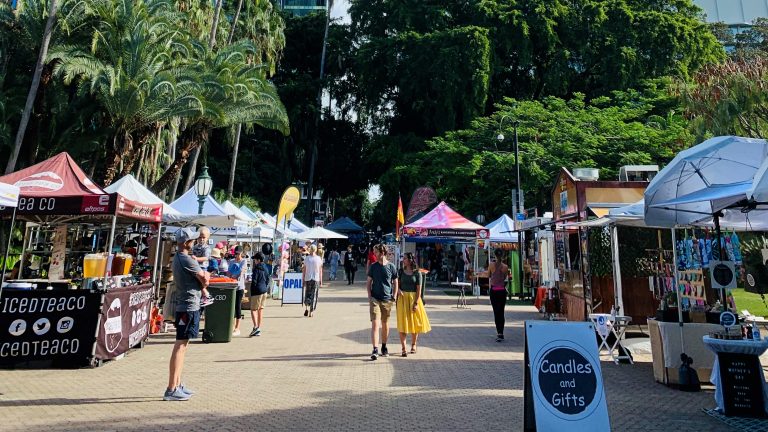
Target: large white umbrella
x=714 y=163
x=318 y=233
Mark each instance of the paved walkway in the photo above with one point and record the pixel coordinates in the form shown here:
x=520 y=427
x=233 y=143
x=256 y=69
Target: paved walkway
x=315 y=374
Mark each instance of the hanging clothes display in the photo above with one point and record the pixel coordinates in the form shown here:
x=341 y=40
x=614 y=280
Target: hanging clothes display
x=736 y=245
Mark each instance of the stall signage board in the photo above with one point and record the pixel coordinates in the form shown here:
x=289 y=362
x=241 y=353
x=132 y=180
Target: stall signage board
x=563 y=381
x=741 y=378
x=293 y=288
x=125 y=320
x=58 y=254
x=48 y=326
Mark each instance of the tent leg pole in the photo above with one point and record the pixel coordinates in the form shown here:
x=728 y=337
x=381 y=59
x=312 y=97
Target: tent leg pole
x=7 y=252
x=155 y=272
x=722 y=252
x=677 y=291
x=617 y=287
x=110 y=244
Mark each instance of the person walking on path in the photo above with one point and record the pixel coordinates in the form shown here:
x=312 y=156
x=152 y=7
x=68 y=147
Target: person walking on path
x=382 y=290
x=259 y=288
x=349 y=265
x=313 y=280
x=237 y=270
x=411 y=315
x=372 y=257
x=499 y=272
x=190 y=279
x=334 y=259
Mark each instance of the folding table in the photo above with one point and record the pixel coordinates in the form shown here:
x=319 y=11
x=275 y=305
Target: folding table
x=605 y=325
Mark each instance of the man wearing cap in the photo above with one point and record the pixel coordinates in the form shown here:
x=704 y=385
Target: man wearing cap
x=237 y=270
x=190 y=279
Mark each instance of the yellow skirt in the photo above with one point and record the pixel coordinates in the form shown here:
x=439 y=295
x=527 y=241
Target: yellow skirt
x=408 y=320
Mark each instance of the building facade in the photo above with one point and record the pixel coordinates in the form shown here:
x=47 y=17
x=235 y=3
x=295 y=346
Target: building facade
x=303 y=7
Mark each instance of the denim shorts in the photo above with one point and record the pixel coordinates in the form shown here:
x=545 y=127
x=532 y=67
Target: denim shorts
x=187 y=325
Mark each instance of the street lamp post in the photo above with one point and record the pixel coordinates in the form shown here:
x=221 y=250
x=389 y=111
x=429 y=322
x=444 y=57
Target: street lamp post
x=203 y=186
x=518 y=197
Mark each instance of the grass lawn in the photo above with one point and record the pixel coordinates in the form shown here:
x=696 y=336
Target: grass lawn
x=749 y=301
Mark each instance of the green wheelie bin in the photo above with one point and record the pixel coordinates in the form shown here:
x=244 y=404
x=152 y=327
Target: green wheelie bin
x=220 y=316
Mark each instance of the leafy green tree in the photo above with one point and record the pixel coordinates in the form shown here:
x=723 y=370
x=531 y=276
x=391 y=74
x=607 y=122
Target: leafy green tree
x=428 y=67
x=474 y=172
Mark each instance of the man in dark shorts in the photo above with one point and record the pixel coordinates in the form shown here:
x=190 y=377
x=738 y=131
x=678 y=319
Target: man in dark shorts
x=190 y=279
x=259 y=288
x=382 y=291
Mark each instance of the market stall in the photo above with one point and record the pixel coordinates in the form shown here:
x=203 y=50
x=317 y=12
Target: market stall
x=79 y=292
x=442 y=226
x=709 y=185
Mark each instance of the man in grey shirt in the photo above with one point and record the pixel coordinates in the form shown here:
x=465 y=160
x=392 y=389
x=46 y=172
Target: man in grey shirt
x=190 y=280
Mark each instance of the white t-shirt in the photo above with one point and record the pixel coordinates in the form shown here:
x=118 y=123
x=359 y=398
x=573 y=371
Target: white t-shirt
x=313 y=265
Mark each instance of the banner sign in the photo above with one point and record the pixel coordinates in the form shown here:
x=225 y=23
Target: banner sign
x=288 y=203
x=39 y=326
x=125 y=320
x=445 y=232
x=138 y=211
x=741 y=379
x=563 y=381
x=293 y=288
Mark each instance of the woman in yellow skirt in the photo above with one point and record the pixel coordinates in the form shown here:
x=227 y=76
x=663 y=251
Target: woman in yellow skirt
x=411 y=315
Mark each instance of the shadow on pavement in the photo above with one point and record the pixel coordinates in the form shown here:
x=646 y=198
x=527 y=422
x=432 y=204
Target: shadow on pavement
x=86 y=401
x=345 y=410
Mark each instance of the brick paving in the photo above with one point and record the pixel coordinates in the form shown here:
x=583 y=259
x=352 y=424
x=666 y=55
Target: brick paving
x=315 y=374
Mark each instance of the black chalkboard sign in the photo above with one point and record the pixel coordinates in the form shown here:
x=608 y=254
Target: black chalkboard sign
x=741 y=378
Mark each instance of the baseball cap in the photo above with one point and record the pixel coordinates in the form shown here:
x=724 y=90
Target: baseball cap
x=186 y=234
x=238 y=249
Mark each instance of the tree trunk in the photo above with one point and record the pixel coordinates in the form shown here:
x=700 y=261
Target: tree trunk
x=215 y=25
x=115 y=156
x=131 y=155
x=192 y=138
x=234 y=22
x=33 y=87
x=233 y=166
x=192 y=168
x=142 y=152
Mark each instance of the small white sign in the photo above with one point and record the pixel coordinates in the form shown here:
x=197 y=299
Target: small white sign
x=566 y=383
x=293 y=288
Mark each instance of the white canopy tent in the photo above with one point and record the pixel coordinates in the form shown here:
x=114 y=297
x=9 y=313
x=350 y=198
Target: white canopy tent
x=318 y=233
x=9 y=197
x=133 y=190
x=213 y=215
x=502 y=230
x=716 y=163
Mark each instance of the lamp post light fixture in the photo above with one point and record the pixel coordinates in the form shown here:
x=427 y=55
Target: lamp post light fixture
x=518 y=195
x=203 y=186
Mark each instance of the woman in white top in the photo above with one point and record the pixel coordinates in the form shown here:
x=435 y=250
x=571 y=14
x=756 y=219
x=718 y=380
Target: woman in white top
x=313 y=279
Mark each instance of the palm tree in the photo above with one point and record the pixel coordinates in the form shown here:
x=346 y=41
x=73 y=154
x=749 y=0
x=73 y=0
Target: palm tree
x=133 y=72
x=231 y=91
x=32 y=95
x=265 y=27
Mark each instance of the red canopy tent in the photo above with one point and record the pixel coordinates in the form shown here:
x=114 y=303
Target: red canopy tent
x=59 y=187
x=444 y=222
x=57 y=190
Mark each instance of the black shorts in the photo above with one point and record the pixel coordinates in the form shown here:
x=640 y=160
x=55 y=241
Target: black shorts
x=187 y=325
x=239 y=304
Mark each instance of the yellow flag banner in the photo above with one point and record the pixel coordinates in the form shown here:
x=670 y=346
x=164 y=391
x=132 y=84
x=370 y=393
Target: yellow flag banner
x=400 y=218
x=288 y=203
